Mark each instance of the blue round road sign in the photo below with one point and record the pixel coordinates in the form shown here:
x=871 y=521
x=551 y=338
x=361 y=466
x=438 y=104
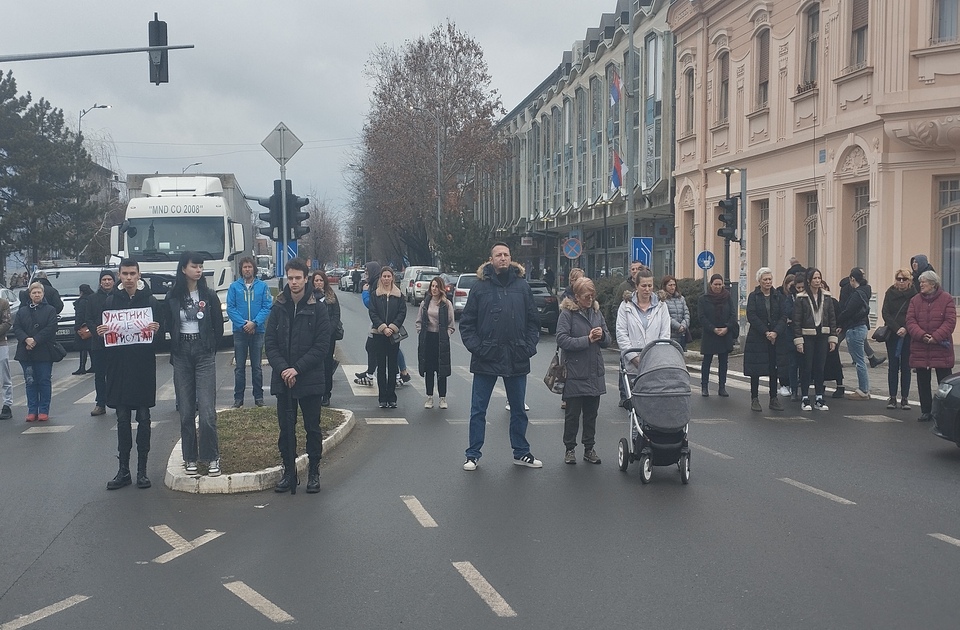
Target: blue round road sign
x=572 y=248
x=706 y=259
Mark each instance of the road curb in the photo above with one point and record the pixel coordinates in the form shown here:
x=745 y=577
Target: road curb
x=177 y=479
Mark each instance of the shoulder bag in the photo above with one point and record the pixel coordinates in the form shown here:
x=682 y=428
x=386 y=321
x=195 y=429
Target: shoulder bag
x=882 y=333
x=400 y=335
x=556 y=375
x=57 y=352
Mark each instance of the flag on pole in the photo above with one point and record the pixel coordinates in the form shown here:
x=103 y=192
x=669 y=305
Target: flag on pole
x=616 y=86
x=616 y=178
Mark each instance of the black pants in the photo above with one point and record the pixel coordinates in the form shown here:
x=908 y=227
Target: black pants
x=815 y=349
x=99 y=364
x=588 y=406
x=287 y=419
x=923 y=386
x=898 y=362
x=125 y=433
x=771 y=372
x=385 y=352
x=721 y=364
x=431 y=343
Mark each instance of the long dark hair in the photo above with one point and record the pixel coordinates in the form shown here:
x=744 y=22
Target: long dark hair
x=179 y=290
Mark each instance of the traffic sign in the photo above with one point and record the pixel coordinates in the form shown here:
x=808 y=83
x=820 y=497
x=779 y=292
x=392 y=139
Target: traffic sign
x=291 y=252
x=572 y=248
x=706 y=260
x=281 y=144
x=643 y=250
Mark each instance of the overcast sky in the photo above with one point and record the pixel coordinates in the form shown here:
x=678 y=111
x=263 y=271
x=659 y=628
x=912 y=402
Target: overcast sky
x=256 y=64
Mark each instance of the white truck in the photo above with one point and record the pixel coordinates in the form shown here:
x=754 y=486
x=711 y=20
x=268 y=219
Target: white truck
x=171 y=214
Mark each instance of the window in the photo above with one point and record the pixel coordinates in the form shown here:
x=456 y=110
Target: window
x=946 y=26
x=688 y=91
x=763 y=68
x=652 y=111
x=534 y=145
x=949 y=209
x=568 y=140
x=858 y=34
x=547 y=161
x=582 y=111
x=811 y=50
x=723 y=88
x=861 y=222
x=811 y=223
x=596 y=136
x=764 y=211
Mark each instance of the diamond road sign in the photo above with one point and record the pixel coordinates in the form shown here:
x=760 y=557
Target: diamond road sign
x=281 y=144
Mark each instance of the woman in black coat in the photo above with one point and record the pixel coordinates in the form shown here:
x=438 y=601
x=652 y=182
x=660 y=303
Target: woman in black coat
x=768 y=322
x=35 y=327
x=814 y=334
x=434 y=328
x=387 y=311
x=81 y=309
x=325 y=295
x=720 y=331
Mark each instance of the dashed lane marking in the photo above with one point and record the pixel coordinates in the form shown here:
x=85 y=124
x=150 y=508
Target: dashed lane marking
x=711 y=421
x=873 y=418
x=419 y=512
x=947 y=539
x=789 y=419
x=153 y=424
x=259 y=603
x=498 y=390
x=55 y=428
x=816 y=491
x=43 y=613
x=710 y=451
x=386 y=421
x=180 y=544
x=487 y=593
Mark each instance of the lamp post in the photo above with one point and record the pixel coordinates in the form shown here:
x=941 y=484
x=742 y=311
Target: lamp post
x=84 y=112
x=439 y=174
x=188 y=166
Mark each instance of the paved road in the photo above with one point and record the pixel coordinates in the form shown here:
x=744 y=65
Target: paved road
x=845 y=519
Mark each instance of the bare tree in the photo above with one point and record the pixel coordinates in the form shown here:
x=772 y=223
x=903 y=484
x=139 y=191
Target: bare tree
x=322 y=242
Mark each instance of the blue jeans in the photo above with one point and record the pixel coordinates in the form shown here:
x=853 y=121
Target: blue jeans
x=247 y=345
x=36 y=379
x=6 y=383
x=516 y=387
x=898 y=362
x=195 y=381
x=856 y=337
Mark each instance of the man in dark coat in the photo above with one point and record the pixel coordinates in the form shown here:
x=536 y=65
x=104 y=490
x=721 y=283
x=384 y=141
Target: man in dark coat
x=297 y=340
x=356 y=276
x=94 y=311
x=50 y=294
x=131 y=368
x=500 y=326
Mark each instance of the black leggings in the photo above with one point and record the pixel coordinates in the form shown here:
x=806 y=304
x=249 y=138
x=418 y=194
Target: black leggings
x=431 y=353
x=923 y=386
x=771 y=372
x=815 y=349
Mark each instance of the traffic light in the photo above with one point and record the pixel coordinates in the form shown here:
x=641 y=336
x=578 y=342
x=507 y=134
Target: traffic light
x=157 y=31
x=273 y=218
x=728 y=216
x=294 y=215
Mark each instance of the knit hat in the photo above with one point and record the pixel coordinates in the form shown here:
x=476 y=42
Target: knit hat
x=107 y=272
x=85 y=289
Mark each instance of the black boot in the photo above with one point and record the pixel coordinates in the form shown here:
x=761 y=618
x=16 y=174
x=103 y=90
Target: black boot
x=123 y=475
x=722 y=390
x=142 y=480
x=289 y=481
x=703 y=390
x=313 y=478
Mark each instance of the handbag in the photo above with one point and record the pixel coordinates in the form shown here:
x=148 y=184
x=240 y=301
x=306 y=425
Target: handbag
x=84 y=332
x=881 y=334
x=57 y=351
x=400 y=335
x=556 y=375
x=338 y=333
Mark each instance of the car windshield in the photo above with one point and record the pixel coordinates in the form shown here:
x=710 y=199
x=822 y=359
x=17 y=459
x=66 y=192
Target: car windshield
x=467 y=280
x=539 y=288
x=167 y=238
x=67 y=281
x=426 y=276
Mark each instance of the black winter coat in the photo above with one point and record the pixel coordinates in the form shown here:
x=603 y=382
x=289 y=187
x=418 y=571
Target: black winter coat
x=297 y=335
x=132 y=370
x=500 y=325
x=443 y=361
x=211 y=326
x=39 y=323
x=854 y=307
x=81 y=309
x=711 y=343
x=50 y=295
x=94 y=316
x=756 y=347
x=333 y=314
x=386 y=309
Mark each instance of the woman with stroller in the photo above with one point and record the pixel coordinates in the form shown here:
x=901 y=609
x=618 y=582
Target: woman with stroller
x=894 y=314
x=720 y=331
x=931 y=319
x=677 y=307
x=581 y=335
x=768 y=322
x=324 y=294
x=434 y=329
x=814 y=334
x=642 y=319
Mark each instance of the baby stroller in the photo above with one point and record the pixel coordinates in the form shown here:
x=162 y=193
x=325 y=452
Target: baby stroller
x=659 y=410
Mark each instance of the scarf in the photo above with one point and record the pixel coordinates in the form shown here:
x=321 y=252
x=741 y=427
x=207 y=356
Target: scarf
x=720 y=301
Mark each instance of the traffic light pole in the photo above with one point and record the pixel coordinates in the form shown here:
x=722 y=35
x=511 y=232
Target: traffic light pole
x=726 y=243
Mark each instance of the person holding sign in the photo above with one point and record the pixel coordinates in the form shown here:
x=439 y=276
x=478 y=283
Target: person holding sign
x=130 y=328
x=196 y=326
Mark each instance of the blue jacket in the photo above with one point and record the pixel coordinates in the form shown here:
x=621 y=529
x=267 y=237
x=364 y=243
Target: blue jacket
x=253 y=305
x=500 y=325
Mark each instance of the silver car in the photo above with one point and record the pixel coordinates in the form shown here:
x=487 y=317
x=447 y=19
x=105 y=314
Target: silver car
x=14 y=298
x=462 y=290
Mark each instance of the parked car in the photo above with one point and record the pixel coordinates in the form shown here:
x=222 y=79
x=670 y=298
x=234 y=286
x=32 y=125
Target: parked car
x=410 y=276
x=346 y=281
x=547 y=305
x=67 y=281
x=421 y=285
x=334 y=275
x=462 y=290
x=450 y=283
x=946 y=409
x=14 y=298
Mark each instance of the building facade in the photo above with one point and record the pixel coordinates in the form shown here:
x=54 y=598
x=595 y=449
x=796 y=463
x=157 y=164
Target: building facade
x=844 y=117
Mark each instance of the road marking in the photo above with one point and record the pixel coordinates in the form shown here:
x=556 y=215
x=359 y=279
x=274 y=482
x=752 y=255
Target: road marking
x=153 y=424
x=711 y=421
x=43 y=613
x=825 y=495
x=386 y=421
x=421 y=514
x=946 y=539
x=789 y=419
x=167 y=391
x=711 y=451
x=88 y=399
x=873 y=418
x=545 y=421
x=350 y=373
x=498 y=390
x=58 y=386
x=483 y=588
x=180 y=544
x=258 y=602
x=57 y=428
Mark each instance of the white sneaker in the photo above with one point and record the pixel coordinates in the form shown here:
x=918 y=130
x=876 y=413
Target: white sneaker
x=190 y=468
x=529 y=461
x=785 y=391
x=428 y=404
x=805 y=405
x=213 y=468
x=443 y=403
x=819 y=405
x=470 y=464
x=526 y=407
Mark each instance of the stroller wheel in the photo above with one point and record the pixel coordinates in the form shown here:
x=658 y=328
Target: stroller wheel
x=623 y=454
x=646 y=468
x=684 y=465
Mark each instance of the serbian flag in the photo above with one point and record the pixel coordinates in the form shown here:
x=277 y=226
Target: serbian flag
x=616 y=178
x=616 y=86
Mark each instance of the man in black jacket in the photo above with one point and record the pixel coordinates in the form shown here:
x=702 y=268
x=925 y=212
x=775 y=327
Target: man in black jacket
x=297 y=339
x=94 y=311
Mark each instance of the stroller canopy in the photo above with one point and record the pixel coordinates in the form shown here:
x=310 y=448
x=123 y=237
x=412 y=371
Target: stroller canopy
x=661 y=390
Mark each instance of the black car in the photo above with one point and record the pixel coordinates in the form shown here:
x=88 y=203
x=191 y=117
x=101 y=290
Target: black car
x=946 y=409
x=547 y=305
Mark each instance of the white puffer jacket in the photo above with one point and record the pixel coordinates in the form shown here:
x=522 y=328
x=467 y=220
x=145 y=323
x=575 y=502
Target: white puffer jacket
x=631 y=333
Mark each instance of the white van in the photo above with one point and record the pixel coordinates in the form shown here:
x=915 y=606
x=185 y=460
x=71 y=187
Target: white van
x=409 y=277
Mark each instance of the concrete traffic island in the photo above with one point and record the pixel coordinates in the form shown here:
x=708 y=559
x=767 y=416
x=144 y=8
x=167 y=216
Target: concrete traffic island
x=176 y=478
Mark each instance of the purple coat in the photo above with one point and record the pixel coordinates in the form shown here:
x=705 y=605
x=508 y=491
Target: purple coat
x=933 y=314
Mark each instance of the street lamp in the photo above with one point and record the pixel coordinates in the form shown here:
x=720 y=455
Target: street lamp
x=439 y=175
x=84 y=112
x=188 y=166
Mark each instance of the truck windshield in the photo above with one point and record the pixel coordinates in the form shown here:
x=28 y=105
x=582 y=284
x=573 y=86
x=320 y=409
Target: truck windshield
x=165 y=238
